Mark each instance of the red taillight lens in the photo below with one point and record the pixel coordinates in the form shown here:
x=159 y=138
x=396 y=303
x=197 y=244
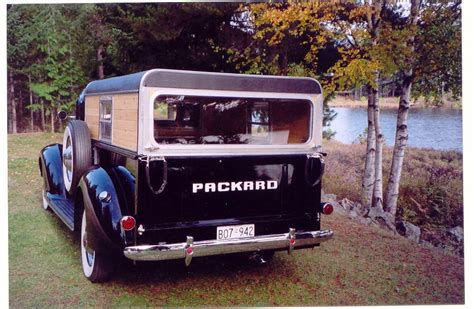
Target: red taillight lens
x=128 y=223
x=189 y=250
x=327 y=209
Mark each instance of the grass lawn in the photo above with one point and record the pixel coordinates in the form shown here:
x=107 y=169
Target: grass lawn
x=360 y=266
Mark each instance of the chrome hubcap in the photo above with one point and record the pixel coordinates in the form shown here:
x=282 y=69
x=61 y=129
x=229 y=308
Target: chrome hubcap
x=67 y=158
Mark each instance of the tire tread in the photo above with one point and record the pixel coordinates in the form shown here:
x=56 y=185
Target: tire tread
x=82 y=151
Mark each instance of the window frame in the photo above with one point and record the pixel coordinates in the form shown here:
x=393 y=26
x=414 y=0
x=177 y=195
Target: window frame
x=147 y=144
x=102 y=120
x=263 y=104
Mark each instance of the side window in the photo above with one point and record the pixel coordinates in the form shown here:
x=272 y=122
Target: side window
x=259 y=120
x=105 y=119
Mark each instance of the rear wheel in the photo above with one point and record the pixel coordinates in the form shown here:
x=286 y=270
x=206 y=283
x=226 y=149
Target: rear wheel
x=77 y=153
x=94 y=264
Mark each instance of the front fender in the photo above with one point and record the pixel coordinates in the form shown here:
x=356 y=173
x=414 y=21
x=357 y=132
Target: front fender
x=51 y=169
x=104 y=231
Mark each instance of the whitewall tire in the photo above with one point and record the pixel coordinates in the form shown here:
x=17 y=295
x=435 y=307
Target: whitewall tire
x=45 y=200
x=94 y=265
x=77 y=154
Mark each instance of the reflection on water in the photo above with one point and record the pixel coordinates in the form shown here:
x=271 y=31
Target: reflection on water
x=427 y=128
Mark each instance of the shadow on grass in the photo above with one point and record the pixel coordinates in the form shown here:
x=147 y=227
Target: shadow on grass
x=203 y=268
x=128 y=273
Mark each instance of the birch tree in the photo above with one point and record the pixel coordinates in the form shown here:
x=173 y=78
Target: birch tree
x=430 y=58
x=401 y=135
x=374 y=23
x=363 y=62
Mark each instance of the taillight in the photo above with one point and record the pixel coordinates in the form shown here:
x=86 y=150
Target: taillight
x=327 y=209
x=128 y=223
x=189 y=250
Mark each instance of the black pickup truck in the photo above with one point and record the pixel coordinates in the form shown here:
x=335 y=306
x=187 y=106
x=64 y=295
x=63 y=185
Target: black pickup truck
x=168 y=164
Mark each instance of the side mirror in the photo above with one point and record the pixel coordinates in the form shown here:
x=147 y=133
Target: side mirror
x=62 y=115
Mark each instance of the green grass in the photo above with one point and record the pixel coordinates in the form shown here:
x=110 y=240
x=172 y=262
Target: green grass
x=360 y=266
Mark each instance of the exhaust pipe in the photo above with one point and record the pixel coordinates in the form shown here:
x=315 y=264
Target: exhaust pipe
x=257 y=258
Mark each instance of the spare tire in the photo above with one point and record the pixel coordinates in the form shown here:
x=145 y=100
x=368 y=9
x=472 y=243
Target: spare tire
x=77 y=154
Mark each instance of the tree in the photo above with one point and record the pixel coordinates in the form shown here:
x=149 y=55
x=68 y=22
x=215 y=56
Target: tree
x=420 y=45
x=430 y=59
x=19 y=42
x=41 y=48
x=285 y=38
x=60 y=47
x=166 y=35
x=57 y=70
x=359 y=27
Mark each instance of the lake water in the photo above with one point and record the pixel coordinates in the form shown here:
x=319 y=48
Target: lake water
x=427 y=128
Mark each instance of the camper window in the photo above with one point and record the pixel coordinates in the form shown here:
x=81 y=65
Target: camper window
x=105 y=119
x=225 y=120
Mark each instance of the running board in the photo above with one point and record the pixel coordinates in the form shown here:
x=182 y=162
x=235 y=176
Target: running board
x=63 y=207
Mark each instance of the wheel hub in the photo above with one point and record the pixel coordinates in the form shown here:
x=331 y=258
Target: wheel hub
x=67 y=159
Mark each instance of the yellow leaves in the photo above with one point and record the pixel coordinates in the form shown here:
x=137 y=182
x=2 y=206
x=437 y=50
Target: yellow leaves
x=355 y=72
x=275 y=23
x=358 y=12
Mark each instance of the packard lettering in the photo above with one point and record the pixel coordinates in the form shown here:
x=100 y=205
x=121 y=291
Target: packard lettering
x=235 y=186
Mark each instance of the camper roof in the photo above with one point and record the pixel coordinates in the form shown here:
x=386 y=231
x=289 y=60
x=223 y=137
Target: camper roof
x=203 y=80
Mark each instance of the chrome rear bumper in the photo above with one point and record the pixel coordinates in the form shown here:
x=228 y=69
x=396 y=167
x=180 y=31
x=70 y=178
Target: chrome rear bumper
x=187 y=250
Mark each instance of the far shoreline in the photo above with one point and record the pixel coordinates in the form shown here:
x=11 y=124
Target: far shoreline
x=390 y=102
x=333 y=142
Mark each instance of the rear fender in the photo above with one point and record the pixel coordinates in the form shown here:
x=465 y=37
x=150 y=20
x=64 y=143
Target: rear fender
x=51 y=169
x=103 y=215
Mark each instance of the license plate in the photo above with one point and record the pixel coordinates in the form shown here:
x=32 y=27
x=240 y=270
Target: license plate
x=235 y=231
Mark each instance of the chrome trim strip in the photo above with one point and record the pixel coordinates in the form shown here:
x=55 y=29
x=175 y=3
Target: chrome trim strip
x=216 y=247
x=109 y=93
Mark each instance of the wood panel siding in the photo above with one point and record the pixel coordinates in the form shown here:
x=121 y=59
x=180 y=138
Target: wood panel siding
x=124 y=119
x=91 y=115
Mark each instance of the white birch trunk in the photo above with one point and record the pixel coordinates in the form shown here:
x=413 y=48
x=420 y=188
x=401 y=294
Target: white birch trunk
x=368 y=181
x=401 y=138
x=377 y=201
x=369 y=168
x=401 y=134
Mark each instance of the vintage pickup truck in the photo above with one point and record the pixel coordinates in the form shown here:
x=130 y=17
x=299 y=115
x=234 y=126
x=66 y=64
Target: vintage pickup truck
x=168 y=164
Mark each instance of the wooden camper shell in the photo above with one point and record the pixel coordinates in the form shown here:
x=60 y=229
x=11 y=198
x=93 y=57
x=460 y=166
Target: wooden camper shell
x=127 y=91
